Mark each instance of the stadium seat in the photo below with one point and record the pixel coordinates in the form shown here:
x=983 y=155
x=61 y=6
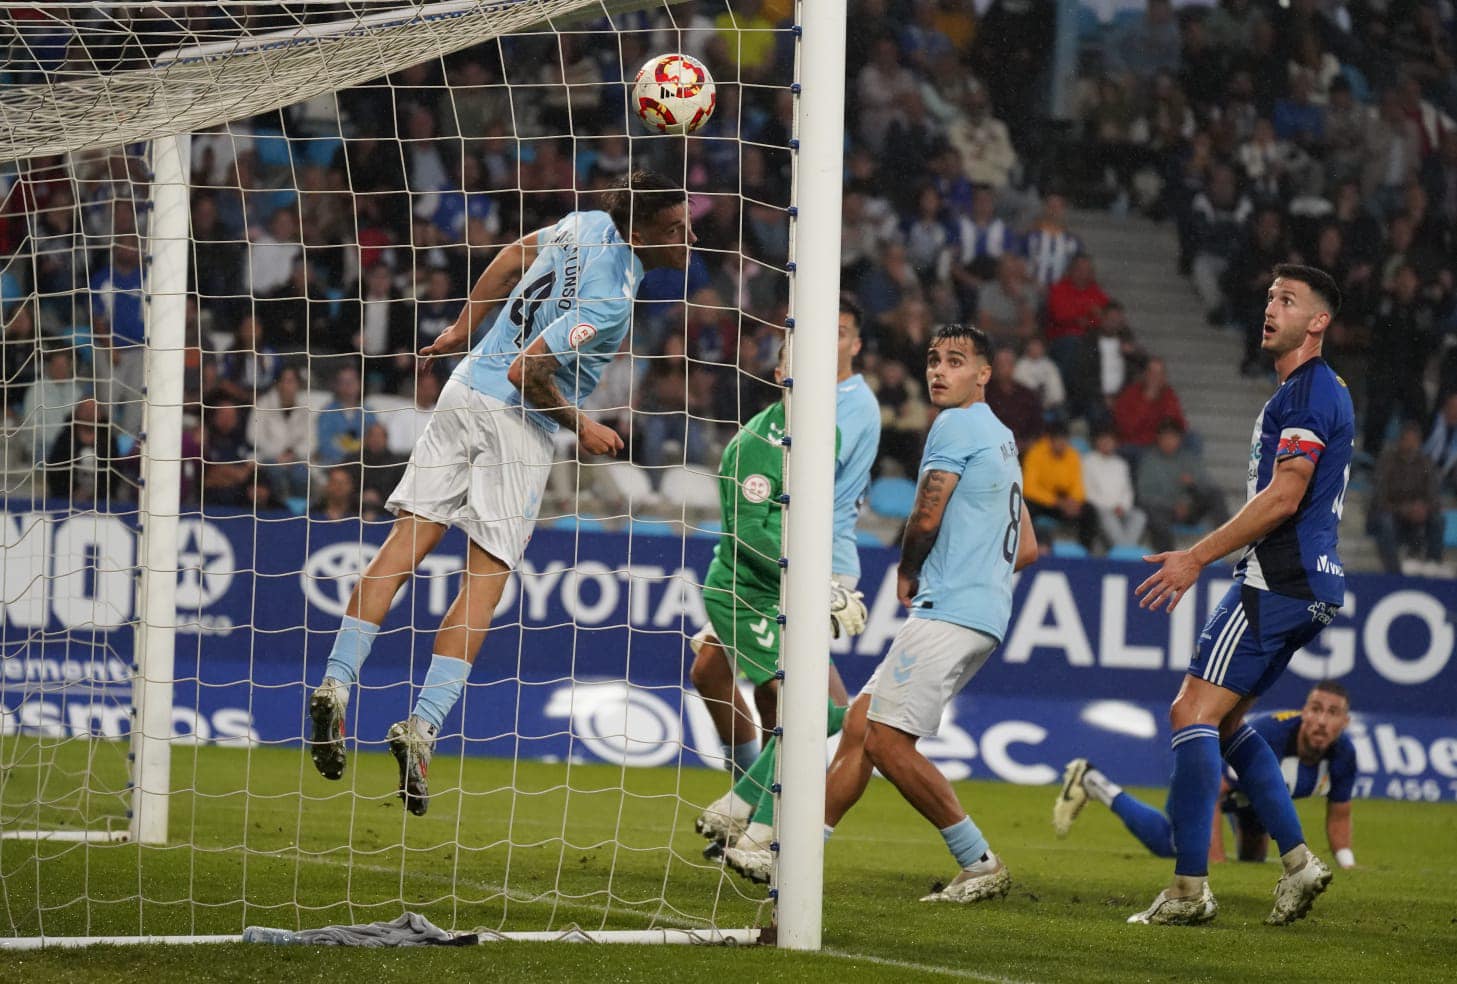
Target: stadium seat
x=690 y=488
x=297 y=504
x=1192 y=530
x=1449 y=537
x=651 y=527
x=578 y=524
x=272 y=149
x=892 y=498
x=710 y=528
x=1080 y=444
x=1127 y=552
x=626 y=481
x=1068 y=548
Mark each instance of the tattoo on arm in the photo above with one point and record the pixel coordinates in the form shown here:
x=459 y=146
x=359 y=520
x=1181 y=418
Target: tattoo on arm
x=924 y=523
x=538 y=386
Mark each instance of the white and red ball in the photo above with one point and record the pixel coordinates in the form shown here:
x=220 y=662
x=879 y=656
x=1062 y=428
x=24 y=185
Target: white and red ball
x=673 y=94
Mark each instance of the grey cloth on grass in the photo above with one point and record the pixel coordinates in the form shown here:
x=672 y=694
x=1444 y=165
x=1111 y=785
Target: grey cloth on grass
x=410 y=929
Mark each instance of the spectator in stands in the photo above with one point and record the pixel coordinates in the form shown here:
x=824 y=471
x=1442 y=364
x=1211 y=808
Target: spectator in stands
x=982 y=239
x=1441 y=444
x=1145 y=44
x=48 y=401
x=867 y=224
x=381 y=470
x=339 y=497
x=1247 y=283
x=281 y=430
x=663 y=408
x=20 y=351
x=1144 y=406
x=406 y=425
x=1014 y=44
x=384 y=323
x=437 y=308
x=1217 y=228
x=1014 y=404
x=1039 y=373
x=272 y=254
x=1405 y=339
x=1275 y=169
x=1074 y=305
x=904 y=415
x=911 y=141
x=85 y=466
x=1108 y=485
x=1050 y=245
x=248 y=367
x=341 y=424
x=1108 y=359
x=229 y=469
x=890 y=282
x=1391 y=153
x=116 y=312
x=982 y=140
x=1405 y=508
x=929 y=238
x=297 y=318
x=1008 y=307
x=1052 y=483
x=1231 y=23
x=1173 y=487
x=881 y=88
x=1345 y=135
x=216 y=262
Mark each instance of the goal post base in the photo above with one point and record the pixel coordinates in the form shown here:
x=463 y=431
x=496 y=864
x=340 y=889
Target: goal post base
x=69 y=836
x=697 y=937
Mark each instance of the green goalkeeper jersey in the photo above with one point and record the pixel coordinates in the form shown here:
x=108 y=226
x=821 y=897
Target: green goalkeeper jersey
x=751 y=480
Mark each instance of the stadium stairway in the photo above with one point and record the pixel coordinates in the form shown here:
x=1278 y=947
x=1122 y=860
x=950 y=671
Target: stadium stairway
x=1135 y=259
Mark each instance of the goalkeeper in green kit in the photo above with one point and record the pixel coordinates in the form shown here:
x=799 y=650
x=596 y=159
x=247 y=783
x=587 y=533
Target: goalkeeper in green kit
x=741 y=591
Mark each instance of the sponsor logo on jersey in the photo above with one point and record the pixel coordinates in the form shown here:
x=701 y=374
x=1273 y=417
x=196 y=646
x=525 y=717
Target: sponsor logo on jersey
x=756 y=488
x=581 y=335
x=1324 y=565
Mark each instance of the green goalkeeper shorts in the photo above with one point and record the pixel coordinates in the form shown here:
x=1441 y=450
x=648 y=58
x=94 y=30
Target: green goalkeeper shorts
x=745 y=624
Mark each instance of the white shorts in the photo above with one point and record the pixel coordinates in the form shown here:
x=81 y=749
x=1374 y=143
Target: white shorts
x=480 y=465
x=928 y=664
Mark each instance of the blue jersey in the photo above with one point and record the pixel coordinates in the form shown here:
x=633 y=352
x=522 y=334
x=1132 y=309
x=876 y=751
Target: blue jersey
x=1309 y=416
x=857 y=415
x=1333 y=777
x=967 y=578
x=578 y=293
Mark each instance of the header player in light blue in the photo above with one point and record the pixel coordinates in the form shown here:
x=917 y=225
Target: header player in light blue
x=968 y=532
x=857 y=415
x=1288 y=586
x=482 y=462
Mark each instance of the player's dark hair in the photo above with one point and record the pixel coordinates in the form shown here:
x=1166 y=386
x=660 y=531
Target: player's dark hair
x=647 y=193
x=1321 y=284
x=1334 y=689
x=850 y=306
x=980 y=343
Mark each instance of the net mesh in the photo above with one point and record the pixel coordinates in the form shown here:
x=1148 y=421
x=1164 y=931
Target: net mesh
x=330 y=240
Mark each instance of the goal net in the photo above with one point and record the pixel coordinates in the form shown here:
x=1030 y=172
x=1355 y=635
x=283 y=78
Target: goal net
x=225 y=232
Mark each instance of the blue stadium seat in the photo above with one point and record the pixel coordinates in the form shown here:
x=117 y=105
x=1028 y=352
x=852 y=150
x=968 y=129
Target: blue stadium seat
x=10 y=291
x=651 y=527
x=272 y=149
x=1189 y=529
x=1131 y=552
x=1079 y=444
x=1450 y=536
x=1068 y=548
x=892 y=498
x=710 y=528
x=318 y=151
x=297 y=504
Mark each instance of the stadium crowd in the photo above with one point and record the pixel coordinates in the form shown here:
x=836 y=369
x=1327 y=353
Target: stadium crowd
x=334 y=238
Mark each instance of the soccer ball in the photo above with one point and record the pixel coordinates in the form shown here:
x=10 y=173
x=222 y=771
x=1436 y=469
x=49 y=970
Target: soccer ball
x=673 y=94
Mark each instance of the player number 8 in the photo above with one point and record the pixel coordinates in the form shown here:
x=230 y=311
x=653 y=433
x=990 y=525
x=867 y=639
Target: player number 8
x=1014 y=524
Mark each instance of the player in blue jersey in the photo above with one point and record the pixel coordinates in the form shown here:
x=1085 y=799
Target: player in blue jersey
x=968 y=532
x=1316 y=758
x=482 y=462
x=1288 y=586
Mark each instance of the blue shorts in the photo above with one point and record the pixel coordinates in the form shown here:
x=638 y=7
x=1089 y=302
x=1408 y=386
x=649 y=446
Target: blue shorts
x=1248 y=641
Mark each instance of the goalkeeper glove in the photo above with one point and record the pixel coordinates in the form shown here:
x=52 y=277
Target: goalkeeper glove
x=847 y=611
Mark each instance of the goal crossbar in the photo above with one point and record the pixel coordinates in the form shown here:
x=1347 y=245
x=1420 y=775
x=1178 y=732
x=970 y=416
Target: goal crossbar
x=205 y=85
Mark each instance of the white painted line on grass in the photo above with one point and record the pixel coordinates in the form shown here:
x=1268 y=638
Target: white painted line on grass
x=957 y=972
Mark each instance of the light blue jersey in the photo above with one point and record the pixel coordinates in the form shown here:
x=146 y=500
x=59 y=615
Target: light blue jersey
x=967 y=578
x=857 y=414
x=578 y=293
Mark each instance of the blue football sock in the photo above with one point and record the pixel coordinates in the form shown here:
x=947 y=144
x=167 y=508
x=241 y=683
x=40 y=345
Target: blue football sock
x=1192 y=795
x=965 y=842
x=1147 y=824
x=1260 y=777
x=351 y=647
x=444 y=682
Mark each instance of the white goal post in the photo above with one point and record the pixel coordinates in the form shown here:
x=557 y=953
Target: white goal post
x=232 y=77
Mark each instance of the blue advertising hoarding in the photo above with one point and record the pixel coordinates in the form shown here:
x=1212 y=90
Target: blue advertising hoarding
x=587 y=659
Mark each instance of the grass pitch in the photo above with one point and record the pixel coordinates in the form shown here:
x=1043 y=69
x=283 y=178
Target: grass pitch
x=536 y=846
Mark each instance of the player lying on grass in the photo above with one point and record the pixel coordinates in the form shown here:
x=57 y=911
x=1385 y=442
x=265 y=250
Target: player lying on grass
x=741 y=591
x=968 y=532
x=1288 y=586
x=482 y=462
x=1316 y=756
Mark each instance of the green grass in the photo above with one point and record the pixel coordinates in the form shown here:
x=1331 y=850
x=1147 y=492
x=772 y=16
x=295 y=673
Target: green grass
x=536 y=846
